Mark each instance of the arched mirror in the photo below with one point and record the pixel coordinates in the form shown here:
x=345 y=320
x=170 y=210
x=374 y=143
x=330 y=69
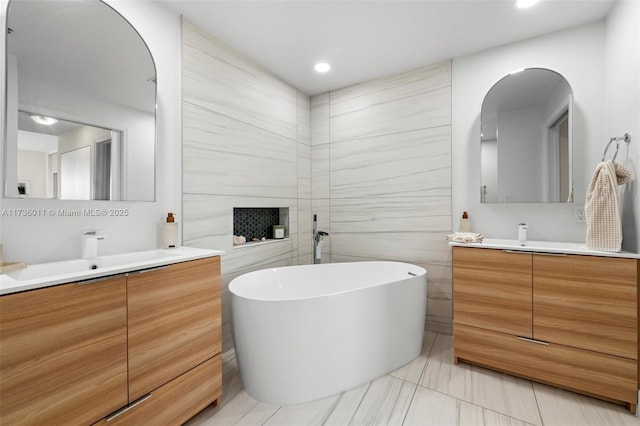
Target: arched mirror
x=525 y=140
x=80 y=103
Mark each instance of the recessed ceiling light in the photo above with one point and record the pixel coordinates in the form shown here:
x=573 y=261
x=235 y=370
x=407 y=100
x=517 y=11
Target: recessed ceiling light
x=523 y=4
x=45 y=121
x=322 y=67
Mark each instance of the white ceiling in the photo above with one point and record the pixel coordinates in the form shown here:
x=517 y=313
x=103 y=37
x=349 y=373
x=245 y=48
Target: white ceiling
x=366 y=39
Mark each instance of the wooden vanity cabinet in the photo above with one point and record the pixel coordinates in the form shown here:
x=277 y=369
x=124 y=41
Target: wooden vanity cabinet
x=584 y=319
x=144 y=348
x=175 y=343
x=63 y=353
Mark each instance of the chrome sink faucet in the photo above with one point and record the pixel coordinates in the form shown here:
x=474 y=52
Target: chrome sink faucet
x=522 y=233
x=90 y=244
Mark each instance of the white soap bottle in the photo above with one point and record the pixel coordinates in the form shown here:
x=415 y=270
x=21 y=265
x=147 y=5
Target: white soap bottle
x=465 y=223
x=170 y=232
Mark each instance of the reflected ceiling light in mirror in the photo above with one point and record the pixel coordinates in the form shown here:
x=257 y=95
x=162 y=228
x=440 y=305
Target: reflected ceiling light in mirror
x=322 y=67
x=45 y=121
x=523 y=4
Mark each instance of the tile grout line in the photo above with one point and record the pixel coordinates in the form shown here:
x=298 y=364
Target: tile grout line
x=535 y=396
x=413 y=397
x=359 y=404
x=332 y=409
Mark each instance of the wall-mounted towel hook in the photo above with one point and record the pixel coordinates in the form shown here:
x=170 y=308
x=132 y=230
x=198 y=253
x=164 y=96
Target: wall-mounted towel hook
x=626 y=138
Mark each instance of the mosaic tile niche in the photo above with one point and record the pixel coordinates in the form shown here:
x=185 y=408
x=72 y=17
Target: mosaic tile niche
x=258 y=222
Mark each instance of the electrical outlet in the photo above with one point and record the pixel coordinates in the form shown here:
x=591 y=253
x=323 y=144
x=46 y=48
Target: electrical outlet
x=578 y=214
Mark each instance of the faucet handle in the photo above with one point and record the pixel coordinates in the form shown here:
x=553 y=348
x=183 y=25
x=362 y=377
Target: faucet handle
x=97 y=234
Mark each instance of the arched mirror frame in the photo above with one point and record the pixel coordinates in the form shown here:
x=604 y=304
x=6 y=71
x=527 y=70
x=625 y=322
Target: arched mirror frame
x=133 y=176
x=526 y=139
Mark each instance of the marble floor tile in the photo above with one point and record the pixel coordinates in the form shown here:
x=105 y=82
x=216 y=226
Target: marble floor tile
x=241 y=410
x=412 y=372
x=385 y=403
x=441 y=374
x=310 y=413
x=346 y=406
x=431 y=408
x=431 y=390
x=561 y=408
x=475 y=415
x=500 y=392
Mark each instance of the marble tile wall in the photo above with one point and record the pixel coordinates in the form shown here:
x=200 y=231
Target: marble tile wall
x=246 y=142
x=381 y=167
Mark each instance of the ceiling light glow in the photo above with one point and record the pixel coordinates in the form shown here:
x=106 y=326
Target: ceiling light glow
x=322 y=67
x=523 y=4
x=45 y=121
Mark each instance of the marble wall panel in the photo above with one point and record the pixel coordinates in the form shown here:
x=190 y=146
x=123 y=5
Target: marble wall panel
x=320 y=171
x=304 y=171
x=304 y=146
x=207 y=222
x=303 y=118
x=320 y=119
x=391 y=214
x=305 y=231
x=415 y=163
x=220 y=79
x=222 y=155
x=259 y=255
x=411 y=247
x=413 y=100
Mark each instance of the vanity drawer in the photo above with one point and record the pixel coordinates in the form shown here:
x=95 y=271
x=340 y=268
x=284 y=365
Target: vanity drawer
x=593 y=373
x=177 y=401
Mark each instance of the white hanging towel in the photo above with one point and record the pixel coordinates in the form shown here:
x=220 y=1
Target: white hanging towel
x=602 y=211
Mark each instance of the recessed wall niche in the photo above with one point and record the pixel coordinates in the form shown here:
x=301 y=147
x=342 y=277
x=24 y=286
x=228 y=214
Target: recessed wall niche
x=256 y=223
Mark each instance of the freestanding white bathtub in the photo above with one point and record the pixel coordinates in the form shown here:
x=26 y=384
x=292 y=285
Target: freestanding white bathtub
x=305 y=332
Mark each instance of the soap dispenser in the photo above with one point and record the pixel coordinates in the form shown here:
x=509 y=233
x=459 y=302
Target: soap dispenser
x=170 y=232
x=465 y=223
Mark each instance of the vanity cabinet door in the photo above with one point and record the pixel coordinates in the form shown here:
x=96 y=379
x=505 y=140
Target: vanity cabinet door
x=492 y=290
x=174 y=322
x=175 y=402
x=587 y=302
x=63 y=356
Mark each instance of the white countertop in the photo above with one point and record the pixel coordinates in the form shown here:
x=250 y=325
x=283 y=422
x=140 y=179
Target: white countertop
x=68 y=271
x=545 y=247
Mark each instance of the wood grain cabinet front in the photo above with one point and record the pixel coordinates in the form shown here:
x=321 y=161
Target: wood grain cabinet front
x=174 y=322
x=493 y=290
x=566 y=320
x=63 y=353
x=175 y=402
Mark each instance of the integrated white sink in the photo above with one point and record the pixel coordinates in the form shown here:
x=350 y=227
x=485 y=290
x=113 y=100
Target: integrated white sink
x=75 y=266
x=135 y=257
x=544 y=247
x=41 y=270
x=46 y=274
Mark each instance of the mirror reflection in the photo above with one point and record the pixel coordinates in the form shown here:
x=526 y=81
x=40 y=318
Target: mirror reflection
x=80 y=103
x=525 y=141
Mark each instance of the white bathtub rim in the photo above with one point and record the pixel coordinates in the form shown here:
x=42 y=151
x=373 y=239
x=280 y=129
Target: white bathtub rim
x=417 y=270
